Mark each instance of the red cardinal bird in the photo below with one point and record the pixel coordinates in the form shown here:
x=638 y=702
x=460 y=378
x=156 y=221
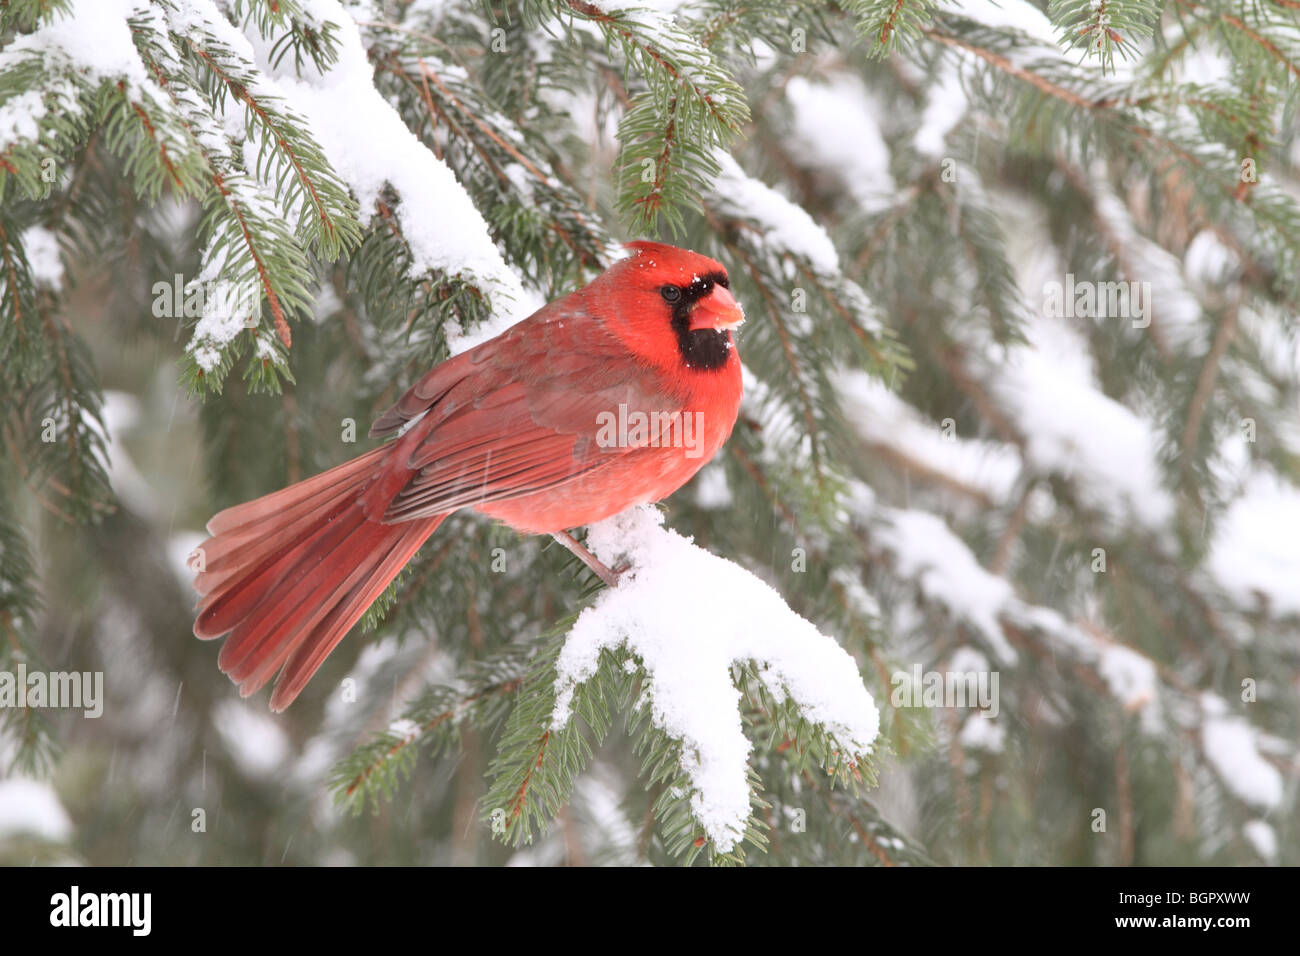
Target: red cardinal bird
x=615 y=395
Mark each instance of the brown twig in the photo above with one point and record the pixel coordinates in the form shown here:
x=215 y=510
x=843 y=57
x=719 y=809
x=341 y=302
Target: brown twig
x=1205 y=382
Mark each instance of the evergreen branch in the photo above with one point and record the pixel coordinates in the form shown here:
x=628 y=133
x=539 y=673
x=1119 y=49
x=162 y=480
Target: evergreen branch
x=329 y=217
x=243 y=225
x=77 y=459
x=1264 y=43
x=1104 y=27
x=47 y=381
x=533 y=772
x=888 y=26
x=372 y=773
x=52 y=107
x=690 y=107
x=19 y=298
x=26 y=15
x=19 y=598
x=497 y=142
x=1223 y=336
x=985 y=249
x=789 y=353
x=764 y=484
x=309 y=38
x=163 y=158
x=1004 y=63
x=241 y=215
x=676 y=68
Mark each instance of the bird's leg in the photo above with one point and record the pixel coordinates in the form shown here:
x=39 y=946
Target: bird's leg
x=589 y=559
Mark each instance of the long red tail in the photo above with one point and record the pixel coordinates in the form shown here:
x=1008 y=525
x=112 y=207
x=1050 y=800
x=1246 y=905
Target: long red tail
x=288 y=574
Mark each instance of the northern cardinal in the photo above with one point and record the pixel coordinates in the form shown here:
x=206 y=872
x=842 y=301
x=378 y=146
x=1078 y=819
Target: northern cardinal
x=614 y=395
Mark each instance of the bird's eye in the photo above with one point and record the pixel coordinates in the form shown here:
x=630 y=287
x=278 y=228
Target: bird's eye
x=671 y=293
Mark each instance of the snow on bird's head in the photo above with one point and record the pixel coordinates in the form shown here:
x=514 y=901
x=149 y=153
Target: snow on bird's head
x=671 y=264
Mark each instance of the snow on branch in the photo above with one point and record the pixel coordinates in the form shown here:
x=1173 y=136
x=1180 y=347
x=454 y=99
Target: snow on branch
x=371 y=147
x=923 y=550
x=983 y=470
x=776 y=237
x=843 y=119
x=1071 y=429
x=1232 y=746
x=49 y=80
x=690 y=618
x=1017 y=15
x=91 y=35
x=1254 y=556
x=1176 y=319
x=784 y=224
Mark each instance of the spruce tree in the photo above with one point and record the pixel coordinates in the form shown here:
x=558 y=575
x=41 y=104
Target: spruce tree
x=1022 y=383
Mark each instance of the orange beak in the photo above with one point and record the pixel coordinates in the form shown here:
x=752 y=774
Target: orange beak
x=717 y=310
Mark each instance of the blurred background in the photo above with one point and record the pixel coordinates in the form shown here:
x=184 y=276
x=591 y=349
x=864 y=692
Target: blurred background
x=1022 y=398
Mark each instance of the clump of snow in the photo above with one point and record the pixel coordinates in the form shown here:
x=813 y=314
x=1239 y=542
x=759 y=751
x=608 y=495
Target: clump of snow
x=370 y=147
x=1007 y=15
x=89 y=37
x=257 y=743
x=667 y=8
x=885 y=420
x=181 y=547
x=947 y=573
x=1130 y=676
x=1174 y=308
x=763 y=54
x=1134 y=681
x=229 y=307
x=1272 y=333
x=1073 y=430
x=945 y=105
x=1206 y=64
x=711 y=488
x=1232 y=748
x=42 y=248
x=980 y=733
x=967 y=660
x=690 y=617
x=20 y=115
x=1255 y=554
x=836 y=120
x=92 y=36
x=1262 y=837
x=405 y=728
x=1208 y=262
x=859 y=599
x=32 y=808
x=787 y=226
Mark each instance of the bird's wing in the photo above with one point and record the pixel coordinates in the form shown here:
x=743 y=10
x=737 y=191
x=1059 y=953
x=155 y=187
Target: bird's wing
x=530 y=410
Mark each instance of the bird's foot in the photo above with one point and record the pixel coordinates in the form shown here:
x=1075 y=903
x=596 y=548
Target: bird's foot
x=601 y=570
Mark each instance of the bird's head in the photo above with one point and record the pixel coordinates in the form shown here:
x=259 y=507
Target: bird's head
x=663 y=289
